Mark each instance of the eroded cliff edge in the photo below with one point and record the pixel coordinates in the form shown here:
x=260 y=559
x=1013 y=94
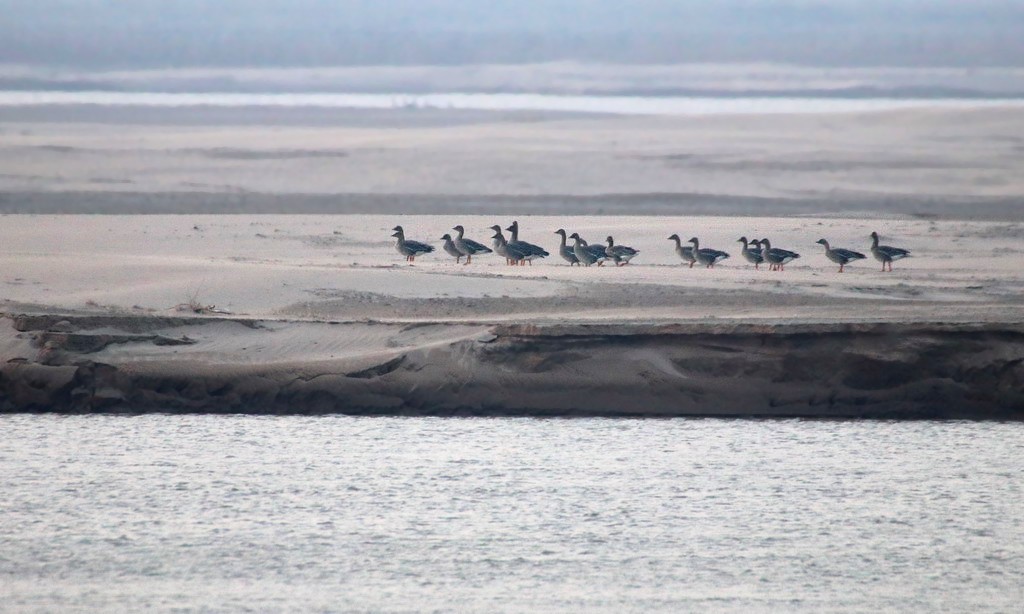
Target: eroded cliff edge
x=223 y=365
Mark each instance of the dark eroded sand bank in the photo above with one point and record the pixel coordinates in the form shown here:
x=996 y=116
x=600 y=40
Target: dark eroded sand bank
x=143 y=364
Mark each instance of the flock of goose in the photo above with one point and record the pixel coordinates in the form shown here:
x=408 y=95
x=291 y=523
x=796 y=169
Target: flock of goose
x=516 y=252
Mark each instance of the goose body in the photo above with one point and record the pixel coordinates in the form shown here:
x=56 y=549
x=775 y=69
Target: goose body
x=502 y=248
x=840 y=256
x=529 y=250
x=886 y=254
x=707 y=256
x=597 y=251
x=753 y=256
x=685 y=252
x=565 y=251
x=775 y=257
x=408 y=248
x=468 y=247
x=449 y=247
x=620 y=254
x=586 y=253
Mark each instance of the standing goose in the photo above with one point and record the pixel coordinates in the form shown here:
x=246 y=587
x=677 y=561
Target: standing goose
x=408 y=248
x=597 y=251
x=840 y=256
x=707 y=256
x=685 y=252
x=753 y=256
x=502 y=248
x=449 y=247
x=775 y=257
x=585 y=253
x=529 y=250
x=565 y=251
x=620 y=254
x=886 y=254
x=468 y=247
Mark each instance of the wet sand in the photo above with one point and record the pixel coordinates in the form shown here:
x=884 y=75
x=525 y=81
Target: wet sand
x=928 y=162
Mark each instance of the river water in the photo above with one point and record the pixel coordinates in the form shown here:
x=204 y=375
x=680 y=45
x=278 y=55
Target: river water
x=637 y=105
x=227 y=513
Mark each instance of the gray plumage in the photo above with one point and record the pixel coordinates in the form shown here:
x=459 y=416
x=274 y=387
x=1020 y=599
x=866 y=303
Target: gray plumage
x=449 y=247
x=585 y=253
x=707 y=256
x=886 y=254
x=529 y=250
x=620 y=254
x=753 y=256
x=468 y=247
x=597 y=251
x=502 y=248
x=565 y=251
x=775 y=257
x=840 y=256
x=685 y=252
x=408 y=248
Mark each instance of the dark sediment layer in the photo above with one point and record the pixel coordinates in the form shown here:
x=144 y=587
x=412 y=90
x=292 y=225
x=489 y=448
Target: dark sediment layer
x=121 y=202
x=903 y=370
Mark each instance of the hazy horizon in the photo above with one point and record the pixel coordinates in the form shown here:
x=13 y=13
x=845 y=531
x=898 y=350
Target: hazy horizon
x=146 y=34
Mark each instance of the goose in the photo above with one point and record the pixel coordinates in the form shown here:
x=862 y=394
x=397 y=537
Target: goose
x=620 y=254
x=408 y=248
x=468 y=247
x=753 y=256
x=585 y=253
x=886 y=254
x=597 y=251
x=565 y=251
x=502 y=248
x=707 y=256
x=840 y=256
x=775 y=257
x=685 y=251
x=449 y=247
x=529 y=250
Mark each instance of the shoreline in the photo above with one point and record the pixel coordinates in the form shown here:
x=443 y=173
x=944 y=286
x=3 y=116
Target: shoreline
x=320 y=314
x=192 y=203
x=839 y=370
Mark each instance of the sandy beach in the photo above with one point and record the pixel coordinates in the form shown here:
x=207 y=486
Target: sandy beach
x=313 y=313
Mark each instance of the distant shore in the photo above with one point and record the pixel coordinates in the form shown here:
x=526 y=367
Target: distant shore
x=931 y=162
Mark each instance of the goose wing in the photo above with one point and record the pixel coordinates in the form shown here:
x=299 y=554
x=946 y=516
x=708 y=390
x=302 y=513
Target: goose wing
x=893 y=252
x=597 y=251
x=529 y=249
x=418 y=247
x=622 y=250
x=782 y=253
x=713 y=254
x=848 y=254
x=476 y=247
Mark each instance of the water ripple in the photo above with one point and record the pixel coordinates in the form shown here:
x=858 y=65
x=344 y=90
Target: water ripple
x=428 y=514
